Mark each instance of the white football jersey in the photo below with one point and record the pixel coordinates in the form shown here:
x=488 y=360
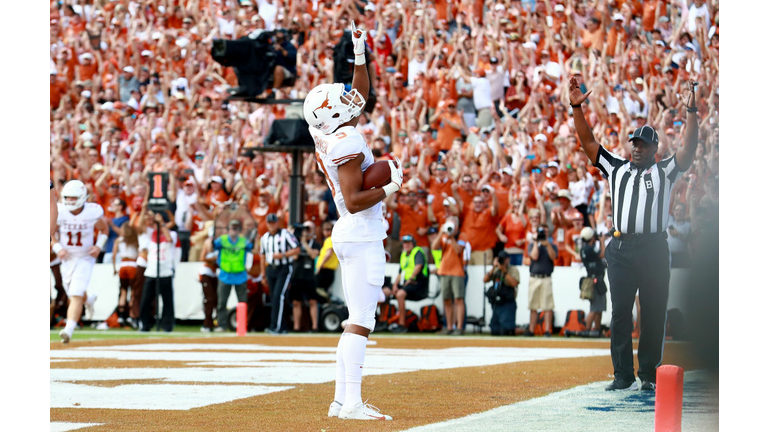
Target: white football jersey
x=76 y=231
x=333 y=151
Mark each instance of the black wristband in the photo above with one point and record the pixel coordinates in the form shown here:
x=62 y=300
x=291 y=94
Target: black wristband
x=575 y=106
x=692 y=110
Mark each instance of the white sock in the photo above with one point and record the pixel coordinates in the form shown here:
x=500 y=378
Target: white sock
x=354 y=356
x=70 y=327
x=341 y=378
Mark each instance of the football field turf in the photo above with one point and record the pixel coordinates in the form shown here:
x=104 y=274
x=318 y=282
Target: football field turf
x=185 y=380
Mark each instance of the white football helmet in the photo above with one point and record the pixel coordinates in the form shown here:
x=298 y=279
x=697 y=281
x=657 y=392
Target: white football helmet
x=329 y=105
x=74 y=189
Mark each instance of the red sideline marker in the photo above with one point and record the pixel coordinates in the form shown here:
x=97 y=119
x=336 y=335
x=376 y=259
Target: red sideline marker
x=669 y=398
x=242 y=318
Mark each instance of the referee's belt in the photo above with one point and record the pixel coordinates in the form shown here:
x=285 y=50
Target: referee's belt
x=541 y=275
x=277 y=266
x=618 y=235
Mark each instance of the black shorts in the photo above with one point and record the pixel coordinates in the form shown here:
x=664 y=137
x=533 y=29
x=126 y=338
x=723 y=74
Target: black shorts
x=325 y=278
x=303 y=288
x=416 y=291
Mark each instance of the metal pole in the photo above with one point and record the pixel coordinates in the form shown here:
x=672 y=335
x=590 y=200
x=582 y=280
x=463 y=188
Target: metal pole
x=297 y=188
x=157 y=280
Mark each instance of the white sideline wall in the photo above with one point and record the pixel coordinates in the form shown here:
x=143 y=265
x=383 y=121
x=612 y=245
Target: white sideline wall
x=188 y=293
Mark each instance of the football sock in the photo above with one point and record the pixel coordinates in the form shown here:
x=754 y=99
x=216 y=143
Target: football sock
x=341 y=378
x=354 y=355
x=70 y=327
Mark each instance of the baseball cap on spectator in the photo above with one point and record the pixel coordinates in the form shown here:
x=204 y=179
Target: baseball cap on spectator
x=559 y=8
x=639 y=81
x=107 y=106
x=540 y=137
x=88 y=144
x=200 y=154
x=272 y=218
x=661 y=42
x=85 y=93
x=494 y=60
x=563 y=193
x=508 y=171
x=407 y=238
x=646 y=134
x=183 y=42
x=132 y=103
x=617 y=16
x=157 y=35
x=553 y=164
x=146 y=53
x=86 y=136
x=488 y=188
x=370 y=7
x=128 y=69
x=217 y=179
x=189 y=182
x=85 y=56
x=689 y=46
x=502 y=255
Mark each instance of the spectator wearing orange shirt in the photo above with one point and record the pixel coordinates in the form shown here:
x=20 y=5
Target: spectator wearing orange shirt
x=451 y=125
x=479 y=227
x=413 y=216
x=562 y=217
x=451 y=275
x=594 y=35
x=511 y=231
x=573 y=241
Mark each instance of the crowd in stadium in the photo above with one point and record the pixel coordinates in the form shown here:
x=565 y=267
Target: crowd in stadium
x=471 y=96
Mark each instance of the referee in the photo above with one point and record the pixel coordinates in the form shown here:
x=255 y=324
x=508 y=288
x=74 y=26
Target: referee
x=638 y=256
x=278 y=250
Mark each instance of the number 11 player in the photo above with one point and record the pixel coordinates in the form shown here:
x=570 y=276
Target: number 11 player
x=342 y=154
x=77 y=250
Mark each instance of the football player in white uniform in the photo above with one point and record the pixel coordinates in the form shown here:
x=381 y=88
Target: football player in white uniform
x=76 y=248
x=342 y=154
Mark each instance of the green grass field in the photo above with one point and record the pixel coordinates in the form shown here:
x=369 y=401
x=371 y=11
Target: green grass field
x=179 y=331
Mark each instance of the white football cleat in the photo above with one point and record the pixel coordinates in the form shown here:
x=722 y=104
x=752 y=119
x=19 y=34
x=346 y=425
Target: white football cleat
x=64 y=336
x=333 y=411
x=363 y=411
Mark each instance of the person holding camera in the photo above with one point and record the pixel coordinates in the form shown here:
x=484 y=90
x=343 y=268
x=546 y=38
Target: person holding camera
x=451 y=274
x=167 y=239
x=235 y=258
x=592 y=255
x=502 y=294
x=543 y=254
x=304 y=284
x=412 y=281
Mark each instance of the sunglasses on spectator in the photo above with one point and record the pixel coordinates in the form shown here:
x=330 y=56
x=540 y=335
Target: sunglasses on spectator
x=536 y=170
x=441 y=169
x=478 y=202
x=199 y=157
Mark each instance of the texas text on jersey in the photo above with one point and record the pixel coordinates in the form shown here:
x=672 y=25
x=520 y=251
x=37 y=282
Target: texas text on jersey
x=76 y=231
x=333 y=151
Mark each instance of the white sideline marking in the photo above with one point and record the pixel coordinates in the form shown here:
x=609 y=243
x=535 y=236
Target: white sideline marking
x=64 y=426
x=150 y=396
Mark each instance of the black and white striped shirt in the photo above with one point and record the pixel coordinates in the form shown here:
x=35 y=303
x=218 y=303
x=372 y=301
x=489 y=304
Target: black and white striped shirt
x=640 y=199
x=281 y=242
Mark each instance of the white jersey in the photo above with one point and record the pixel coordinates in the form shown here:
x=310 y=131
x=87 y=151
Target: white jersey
x=126 y=255
x=76 y=231
x=333 y=151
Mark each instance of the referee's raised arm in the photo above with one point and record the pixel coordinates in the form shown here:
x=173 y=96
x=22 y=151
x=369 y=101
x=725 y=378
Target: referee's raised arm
x=588 y=142
x=684 y=156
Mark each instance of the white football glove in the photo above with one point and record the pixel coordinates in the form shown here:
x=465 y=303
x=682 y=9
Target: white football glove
x=358 y=44
x=396 y=169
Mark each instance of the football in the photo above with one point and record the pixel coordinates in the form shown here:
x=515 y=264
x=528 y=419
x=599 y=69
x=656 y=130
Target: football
x=377 y=175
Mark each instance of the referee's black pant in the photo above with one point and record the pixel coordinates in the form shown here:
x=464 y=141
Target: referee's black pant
x=638 y=262
x=279 y=280
x=148 y=297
